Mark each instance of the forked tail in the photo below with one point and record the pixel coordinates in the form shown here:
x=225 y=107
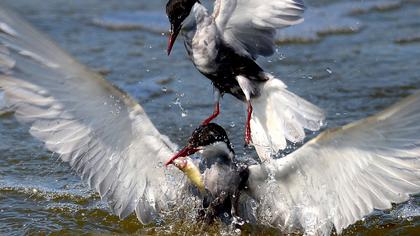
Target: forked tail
x=281 y=115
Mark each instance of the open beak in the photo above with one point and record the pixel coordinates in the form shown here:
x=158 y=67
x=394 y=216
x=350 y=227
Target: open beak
x=187 y=151
x=172 y=37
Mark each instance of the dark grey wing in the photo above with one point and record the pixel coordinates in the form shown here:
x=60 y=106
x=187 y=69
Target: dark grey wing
x=99 y=130
x=341 y=176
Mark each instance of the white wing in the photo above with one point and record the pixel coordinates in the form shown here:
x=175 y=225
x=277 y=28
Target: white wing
x=341 y=176
x=249 y=26
x=102 y=132
x=3 y=105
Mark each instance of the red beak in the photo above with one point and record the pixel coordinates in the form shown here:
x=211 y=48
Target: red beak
x=172 y=37
x=187 y=151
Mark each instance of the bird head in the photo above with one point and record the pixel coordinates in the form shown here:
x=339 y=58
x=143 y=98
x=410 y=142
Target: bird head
x=207 y=139
x=177 y=11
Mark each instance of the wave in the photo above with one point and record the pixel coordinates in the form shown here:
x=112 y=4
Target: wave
x=333 y=19
x=77 y=193
x=150 y=21
x=408 y=39
x=380 y=6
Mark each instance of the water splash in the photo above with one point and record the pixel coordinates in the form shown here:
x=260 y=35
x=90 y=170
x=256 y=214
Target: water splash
x=407 y=211
x=177 y=102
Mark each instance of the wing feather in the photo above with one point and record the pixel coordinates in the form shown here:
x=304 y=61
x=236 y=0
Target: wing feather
x=344 y=174
x=99 y=130
x=249 y=26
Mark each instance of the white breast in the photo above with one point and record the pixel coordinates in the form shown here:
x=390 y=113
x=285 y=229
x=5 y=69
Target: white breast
x=204 y=43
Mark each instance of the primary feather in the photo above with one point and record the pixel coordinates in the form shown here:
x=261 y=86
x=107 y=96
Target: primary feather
x=102 y=132
x=249 y=26
x=344 y=174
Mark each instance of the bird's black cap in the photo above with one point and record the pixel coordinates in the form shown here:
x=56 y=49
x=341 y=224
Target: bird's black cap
x=203 y=136
x=209 y=134
x=178 y=10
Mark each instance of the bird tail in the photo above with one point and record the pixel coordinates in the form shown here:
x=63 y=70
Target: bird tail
x=279 y=115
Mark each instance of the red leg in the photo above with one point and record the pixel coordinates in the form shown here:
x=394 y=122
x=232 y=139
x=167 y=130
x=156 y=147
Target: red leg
x=214 y=115
x=248 y=125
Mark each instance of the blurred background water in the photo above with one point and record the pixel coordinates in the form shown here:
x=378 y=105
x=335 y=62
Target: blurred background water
x=352 y=58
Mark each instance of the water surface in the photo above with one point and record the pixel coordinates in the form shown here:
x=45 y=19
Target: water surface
x=351 y=58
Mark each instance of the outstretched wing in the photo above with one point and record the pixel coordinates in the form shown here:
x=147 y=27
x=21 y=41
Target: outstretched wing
x=101 y=131
x=249 y=26
x=341 y=176
x=3 y=106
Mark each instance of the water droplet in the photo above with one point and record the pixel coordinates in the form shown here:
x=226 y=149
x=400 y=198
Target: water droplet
x=183 y=114
x=329 y=71
x=282 y=57
x=164 y=89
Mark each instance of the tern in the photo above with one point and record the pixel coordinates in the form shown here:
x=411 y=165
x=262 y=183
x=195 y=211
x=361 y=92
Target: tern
x=107 y=138
x=224 y=46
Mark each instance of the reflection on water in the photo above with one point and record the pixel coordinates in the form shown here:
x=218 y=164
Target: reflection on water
x=350 y=75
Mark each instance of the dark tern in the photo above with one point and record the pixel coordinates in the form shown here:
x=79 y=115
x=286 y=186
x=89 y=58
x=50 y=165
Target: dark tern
x=224 y=46
x=106 y=137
